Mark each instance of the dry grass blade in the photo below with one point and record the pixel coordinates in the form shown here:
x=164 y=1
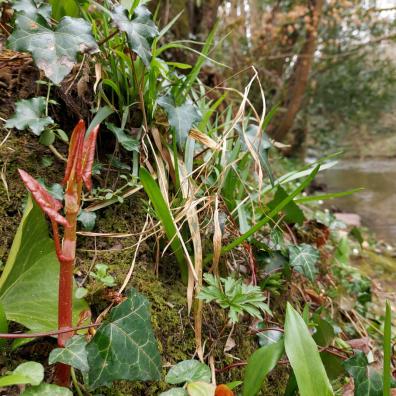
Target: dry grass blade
x=203 y=139
x=217 y=236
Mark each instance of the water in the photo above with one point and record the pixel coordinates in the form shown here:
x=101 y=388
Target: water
x=376 y=204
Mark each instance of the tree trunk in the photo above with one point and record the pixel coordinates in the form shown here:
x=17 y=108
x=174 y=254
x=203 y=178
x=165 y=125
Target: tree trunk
x=299 y=79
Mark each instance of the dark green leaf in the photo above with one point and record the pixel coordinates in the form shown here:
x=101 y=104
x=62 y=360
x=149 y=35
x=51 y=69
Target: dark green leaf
x=304 y=357
x=333 y=365
x=124 y=347
x=64 y=8
x=73 y=354
x=126 y=141
x=54 y=51
x=324 y=334
x=87 y=219
x=181 y=118
x=140 y=30
x=303 y=258
x=26 y=373
x=29 y=282
x=3 y=325
x=259 y=365
x=29 y=113
x=188 y=371
x=293 y=214
x=47 y=390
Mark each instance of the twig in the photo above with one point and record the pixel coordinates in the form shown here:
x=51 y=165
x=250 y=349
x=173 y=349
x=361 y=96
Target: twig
x=110 y=36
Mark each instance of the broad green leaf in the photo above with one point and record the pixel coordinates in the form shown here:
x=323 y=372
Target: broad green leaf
x=29 y=282
x=32 y=8
x=200 y=389
x=54 y=51
x=303 y=258
x=47 y=137
x=26 y=373
x=87 y=219
x=181 y=118
x=367 y=381
x=124 y=347
x=29 y=113
x=175 y=392
x=304 y=357
x=3 y=325
x=140 y=30
x=126 y=141
x=47 y=390
x=293 y=214
x=324 y=333
x=188 y=371
x=74 y=354
x=100 y=116
x=259 y=365
x=164 y=215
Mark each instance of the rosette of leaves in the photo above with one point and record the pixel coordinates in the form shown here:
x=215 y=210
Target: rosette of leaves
x=234 y=295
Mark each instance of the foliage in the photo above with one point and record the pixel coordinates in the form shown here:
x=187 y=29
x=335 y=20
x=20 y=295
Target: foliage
x=26 y=373
x=124 y=347
x=29 y=113
x=102 y=276
x=32 y=269
x=234 y=295
x=303 y=259
x=188 y=371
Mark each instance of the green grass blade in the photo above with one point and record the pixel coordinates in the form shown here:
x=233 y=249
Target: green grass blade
x=164 y=215
x=387 y=349
x=325 y=197
x=273 y=212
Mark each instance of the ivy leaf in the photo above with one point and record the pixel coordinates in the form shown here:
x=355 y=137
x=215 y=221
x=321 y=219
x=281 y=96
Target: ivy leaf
x=126 y=141
x=188 y=371
x=124 y=347
x=53 y=51
x=47 y=390
x=29 y=113
x=293 y=214
x=181 y=118
x=201 y=389
x=33 y=8
x=26 y=373
x=367 y=382
x=303 y=258
x=139 y=30
x=73 y=354
x=87 y=219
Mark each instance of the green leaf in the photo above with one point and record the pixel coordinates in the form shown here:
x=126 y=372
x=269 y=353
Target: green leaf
x=140 y=30
x=200 y=389
x=124 y=347
x=324 y=333
x=54 y=51
x=188 y=371
x=164 y=215
x=259 y=365
x=29 y=113
x=87 y=219
x=303 y=259
x=29 y=282
x=304 y=357
x=268 y=337
x=181 y=118
x=175 y=392
x=293 y=214
x=100 y=116
x=47 y=137
x=26 y=373
x=73 y=354
x=126 y=141
x=367 y=382
x=3 y=325
x=64 y=8
x=47 y=390
x=33 y=8
x=387 y=373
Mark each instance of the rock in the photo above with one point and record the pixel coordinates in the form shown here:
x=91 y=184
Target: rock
x=350 y=219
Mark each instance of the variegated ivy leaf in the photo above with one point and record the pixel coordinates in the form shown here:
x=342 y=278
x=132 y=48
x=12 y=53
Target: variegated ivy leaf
x=181 y=118
x=303 y=258
x=140 y=30
x=33 y=8
x=74 y=354
x=54 y=51
x=124 y=347
x=29 y=113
